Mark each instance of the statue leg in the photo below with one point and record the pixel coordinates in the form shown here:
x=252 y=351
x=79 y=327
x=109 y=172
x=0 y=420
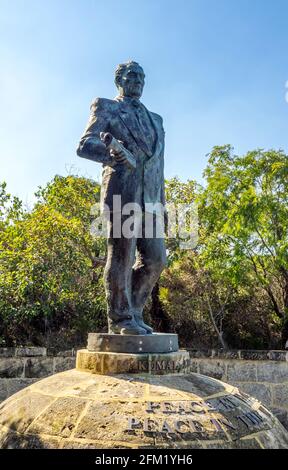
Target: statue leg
x=117 y=276
x=150 y=262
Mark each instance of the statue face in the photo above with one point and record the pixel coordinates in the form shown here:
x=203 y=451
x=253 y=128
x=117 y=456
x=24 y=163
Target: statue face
x=132 y=82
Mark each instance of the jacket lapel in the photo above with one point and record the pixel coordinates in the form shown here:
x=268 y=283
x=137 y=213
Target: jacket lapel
x=130 y=121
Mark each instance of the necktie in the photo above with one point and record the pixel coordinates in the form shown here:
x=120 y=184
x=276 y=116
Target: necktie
x=146 y=126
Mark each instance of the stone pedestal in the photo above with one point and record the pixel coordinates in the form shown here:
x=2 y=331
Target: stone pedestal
x=133 y=354
x=125 y=363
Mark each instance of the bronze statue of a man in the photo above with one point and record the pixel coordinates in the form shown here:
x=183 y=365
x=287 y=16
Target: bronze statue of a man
x=135 y=263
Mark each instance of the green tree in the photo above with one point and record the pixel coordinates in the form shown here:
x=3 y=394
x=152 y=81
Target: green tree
x=244 y=222
x=178 y=193
x=50 y=266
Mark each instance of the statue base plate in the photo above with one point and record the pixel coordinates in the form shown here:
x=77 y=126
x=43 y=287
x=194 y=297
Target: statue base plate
x=155 y=343
x=123 y=363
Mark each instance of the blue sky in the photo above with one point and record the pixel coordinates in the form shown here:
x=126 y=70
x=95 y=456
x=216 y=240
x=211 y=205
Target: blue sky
x=215 y=70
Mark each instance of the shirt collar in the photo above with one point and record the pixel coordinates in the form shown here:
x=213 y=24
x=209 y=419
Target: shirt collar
x=129 y=101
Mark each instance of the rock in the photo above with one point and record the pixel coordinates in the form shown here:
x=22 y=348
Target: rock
x=214 y=369
x=241 y=372
x=273 y=372
x=31 y=351
x=12 y=367
x=36 y=367
x=7 y=352
x=280 y=395
x=76 y=409
x=64 y=363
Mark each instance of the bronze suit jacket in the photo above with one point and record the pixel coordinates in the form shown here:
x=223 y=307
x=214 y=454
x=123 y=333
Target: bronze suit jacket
x=145 y=184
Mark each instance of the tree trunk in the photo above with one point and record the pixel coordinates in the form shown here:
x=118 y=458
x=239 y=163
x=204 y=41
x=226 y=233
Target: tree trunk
x=219 y=333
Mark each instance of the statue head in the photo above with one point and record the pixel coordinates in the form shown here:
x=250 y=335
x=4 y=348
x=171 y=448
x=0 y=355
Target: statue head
x=130 y=79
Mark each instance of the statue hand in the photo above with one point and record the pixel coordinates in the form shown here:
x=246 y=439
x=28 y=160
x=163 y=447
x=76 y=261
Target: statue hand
x=120 y=157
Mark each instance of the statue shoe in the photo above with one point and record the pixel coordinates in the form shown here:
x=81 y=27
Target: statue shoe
x=127 y=327
x=140 y=322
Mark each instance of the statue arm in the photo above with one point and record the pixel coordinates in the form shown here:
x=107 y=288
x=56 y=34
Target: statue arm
x=90 y=145
x=162 y=194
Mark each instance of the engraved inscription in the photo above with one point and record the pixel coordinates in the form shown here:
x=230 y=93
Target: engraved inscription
x=178 y=426
x=163 y=365
x=251 y=419
x=181 y=407
x=196 y=417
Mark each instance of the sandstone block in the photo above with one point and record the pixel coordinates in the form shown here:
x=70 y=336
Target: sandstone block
x=272 y=372
x=11 y=367
x=37 y=368
x=239 y=372
x=215 y=369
